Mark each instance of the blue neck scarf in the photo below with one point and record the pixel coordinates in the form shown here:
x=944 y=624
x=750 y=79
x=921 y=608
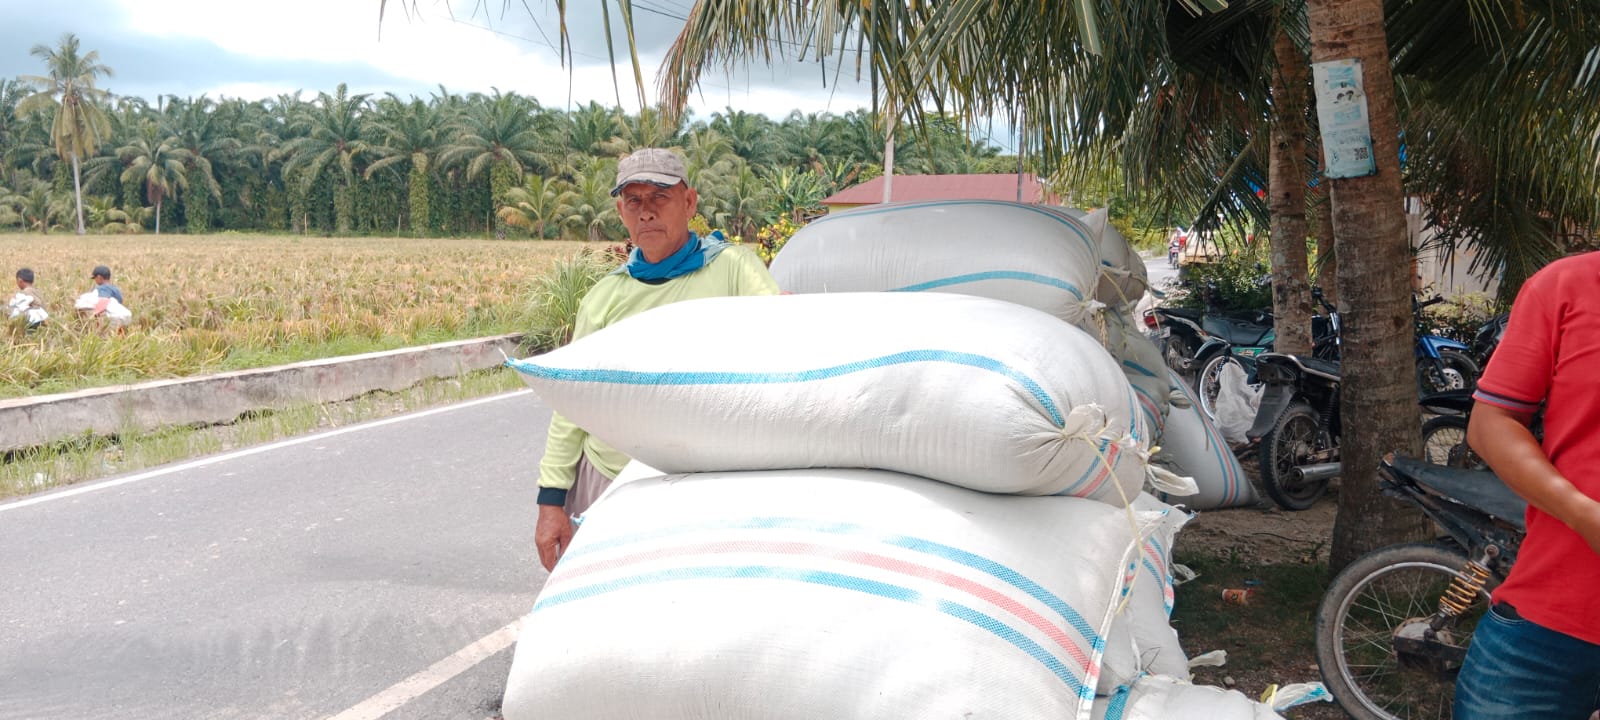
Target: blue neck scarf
x=695 y=254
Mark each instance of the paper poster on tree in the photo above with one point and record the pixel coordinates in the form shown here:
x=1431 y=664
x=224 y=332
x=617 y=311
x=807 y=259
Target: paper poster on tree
x=1342 y=112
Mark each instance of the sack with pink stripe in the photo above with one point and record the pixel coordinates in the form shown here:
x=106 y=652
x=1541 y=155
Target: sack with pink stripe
x=824 y=594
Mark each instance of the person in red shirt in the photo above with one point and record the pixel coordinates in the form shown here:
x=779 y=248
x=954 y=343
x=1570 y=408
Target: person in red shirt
x=1536 y=653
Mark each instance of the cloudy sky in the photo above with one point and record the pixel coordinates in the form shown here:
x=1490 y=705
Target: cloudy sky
x=260 y=48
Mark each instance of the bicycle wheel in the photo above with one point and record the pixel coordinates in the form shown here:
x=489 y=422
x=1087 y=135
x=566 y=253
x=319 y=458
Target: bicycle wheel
x=1365 y=607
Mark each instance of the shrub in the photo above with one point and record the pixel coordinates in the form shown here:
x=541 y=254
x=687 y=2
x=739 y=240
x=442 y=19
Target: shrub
x=1239 y=280
x=557 y=293
x=1460 y=316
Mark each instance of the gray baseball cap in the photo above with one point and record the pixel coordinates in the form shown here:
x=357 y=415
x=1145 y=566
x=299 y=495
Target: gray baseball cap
x=657 y=166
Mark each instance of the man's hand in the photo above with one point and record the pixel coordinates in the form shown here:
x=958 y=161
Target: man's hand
x=552 y=535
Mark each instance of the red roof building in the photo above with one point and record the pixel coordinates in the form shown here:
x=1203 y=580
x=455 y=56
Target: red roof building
x=911 y=188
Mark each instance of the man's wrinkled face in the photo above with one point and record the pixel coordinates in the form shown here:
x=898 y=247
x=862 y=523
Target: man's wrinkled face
x=657 y=218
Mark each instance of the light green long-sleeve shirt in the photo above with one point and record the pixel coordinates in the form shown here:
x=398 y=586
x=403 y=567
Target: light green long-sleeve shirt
x=735 y=271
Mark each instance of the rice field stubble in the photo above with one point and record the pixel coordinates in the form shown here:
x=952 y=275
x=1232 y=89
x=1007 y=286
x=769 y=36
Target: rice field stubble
x=213 y=303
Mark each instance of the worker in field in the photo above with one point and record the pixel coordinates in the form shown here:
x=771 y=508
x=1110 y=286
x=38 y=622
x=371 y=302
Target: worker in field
x=26 y=303
x=669 y=263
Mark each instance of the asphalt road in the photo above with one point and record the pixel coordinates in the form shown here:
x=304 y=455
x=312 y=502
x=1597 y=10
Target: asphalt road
x=300 y=580
x=1159 y=271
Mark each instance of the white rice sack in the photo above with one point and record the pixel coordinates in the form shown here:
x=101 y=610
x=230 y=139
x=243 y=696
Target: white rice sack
x=1190 y=439
x=1123 y=275
x=1164 y=698
x=1141 y=640
x=1025 y=254
x=979 y=393
x=1141 y=362
x=822 y=594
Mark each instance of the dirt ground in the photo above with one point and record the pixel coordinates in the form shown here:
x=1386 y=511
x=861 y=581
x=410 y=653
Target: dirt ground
x=1282 y=558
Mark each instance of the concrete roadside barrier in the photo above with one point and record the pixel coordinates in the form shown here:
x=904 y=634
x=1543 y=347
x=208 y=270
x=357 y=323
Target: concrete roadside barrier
x=210 y=399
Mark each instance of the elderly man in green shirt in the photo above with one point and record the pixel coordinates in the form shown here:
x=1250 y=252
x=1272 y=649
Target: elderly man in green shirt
x=669 y=263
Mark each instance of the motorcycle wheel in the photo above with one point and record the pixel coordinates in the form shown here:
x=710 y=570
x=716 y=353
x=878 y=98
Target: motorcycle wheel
x=1444 y=442
x=1459 y=372
x=1177 y=350
x=1297 y=433
x=1357 y=620
x=1209 y=382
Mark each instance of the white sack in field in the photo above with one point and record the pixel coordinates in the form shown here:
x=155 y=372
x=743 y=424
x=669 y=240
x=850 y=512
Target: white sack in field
x=975 y=392
x=1123 y=275
x=1025 y=254
x=1236 y=403
x=823 y=594
x=1159 y=697
x=1202 y=453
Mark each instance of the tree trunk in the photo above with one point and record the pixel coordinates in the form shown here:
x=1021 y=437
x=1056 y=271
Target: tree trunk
x=158 y=216
x=77 y=191
x=1378 y=393
x=1327 y=259
x=1291 y=291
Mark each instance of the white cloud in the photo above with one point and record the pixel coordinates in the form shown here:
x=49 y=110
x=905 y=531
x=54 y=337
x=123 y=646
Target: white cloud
x=465 y=54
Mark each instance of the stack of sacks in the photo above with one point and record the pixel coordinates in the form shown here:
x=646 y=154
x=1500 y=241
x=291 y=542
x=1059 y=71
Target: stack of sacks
x=1067 y=263
x=827 y=593
x=1195 y=444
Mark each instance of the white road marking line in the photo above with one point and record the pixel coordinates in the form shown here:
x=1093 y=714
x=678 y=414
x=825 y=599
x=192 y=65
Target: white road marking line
x=89 y=488
x=435 y=675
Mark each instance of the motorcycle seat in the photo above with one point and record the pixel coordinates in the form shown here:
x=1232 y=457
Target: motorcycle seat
x=1185 y=313
x=1448 y=402
x=1237 y=332
x=1478 y=489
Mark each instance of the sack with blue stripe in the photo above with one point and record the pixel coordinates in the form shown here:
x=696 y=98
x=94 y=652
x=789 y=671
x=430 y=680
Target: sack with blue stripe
x=1141 y=362
x=1143 y=627
x=1026 y=254
x=979 y=393
x=1123 y=275
x=857 y=594
x=1194 y=443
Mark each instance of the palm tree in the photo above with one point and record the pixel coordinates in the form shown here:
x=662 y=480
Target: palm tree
x=160 y=165
x=69 y=89
x=796 y=193
x=589 y=127
x=407 y=134
x=11 y=127
x=587 y=205
x=531 y=205
x=505 y=136
x=195 y=126
x=650 y=128
x=749 y=134
x=329 y=140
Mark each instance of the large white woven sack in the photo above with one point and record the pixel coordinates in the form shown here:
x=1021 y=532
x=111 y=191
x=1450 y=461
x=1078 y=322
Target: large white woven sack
x=1190 y=439
x=1124 y=278
x=1026 y=254
x=1164 y=698
x=822 y=594
x=979 y=393
x=1141 y=362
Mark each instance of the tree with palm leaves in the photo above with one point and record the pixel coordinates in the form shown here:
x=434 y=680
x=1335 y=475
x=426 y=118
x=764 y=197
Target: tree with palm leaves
x=194 y=124
x=159 y=165
x=329 y=142
x=504 y=137
x=532 y=205
x=68 y=88
x=409 y=135
x=586 y=204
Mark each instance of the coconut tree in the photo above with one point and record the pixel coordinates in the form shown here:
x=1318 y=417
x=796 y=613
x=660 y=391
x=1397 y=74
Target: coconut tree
x=751 y=135
x=329 y=142
x=11 y=93
x=650 y=128
x=408 y=135
x=68 y=88
x=161 y=166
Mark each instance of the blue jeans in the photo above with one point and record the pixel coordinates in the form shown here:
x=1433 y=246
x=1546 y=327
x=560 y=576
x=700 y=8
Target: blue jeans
x=1517 y=669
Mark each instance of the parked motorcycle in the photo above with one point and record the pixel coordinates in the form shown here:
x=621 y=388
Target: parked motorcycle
x=1442 y=364
x=1218 y=352
x=1392 y=629
x=1488 y=338
x=1444 y=436
x=1182 y=332
x=1297 y=427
